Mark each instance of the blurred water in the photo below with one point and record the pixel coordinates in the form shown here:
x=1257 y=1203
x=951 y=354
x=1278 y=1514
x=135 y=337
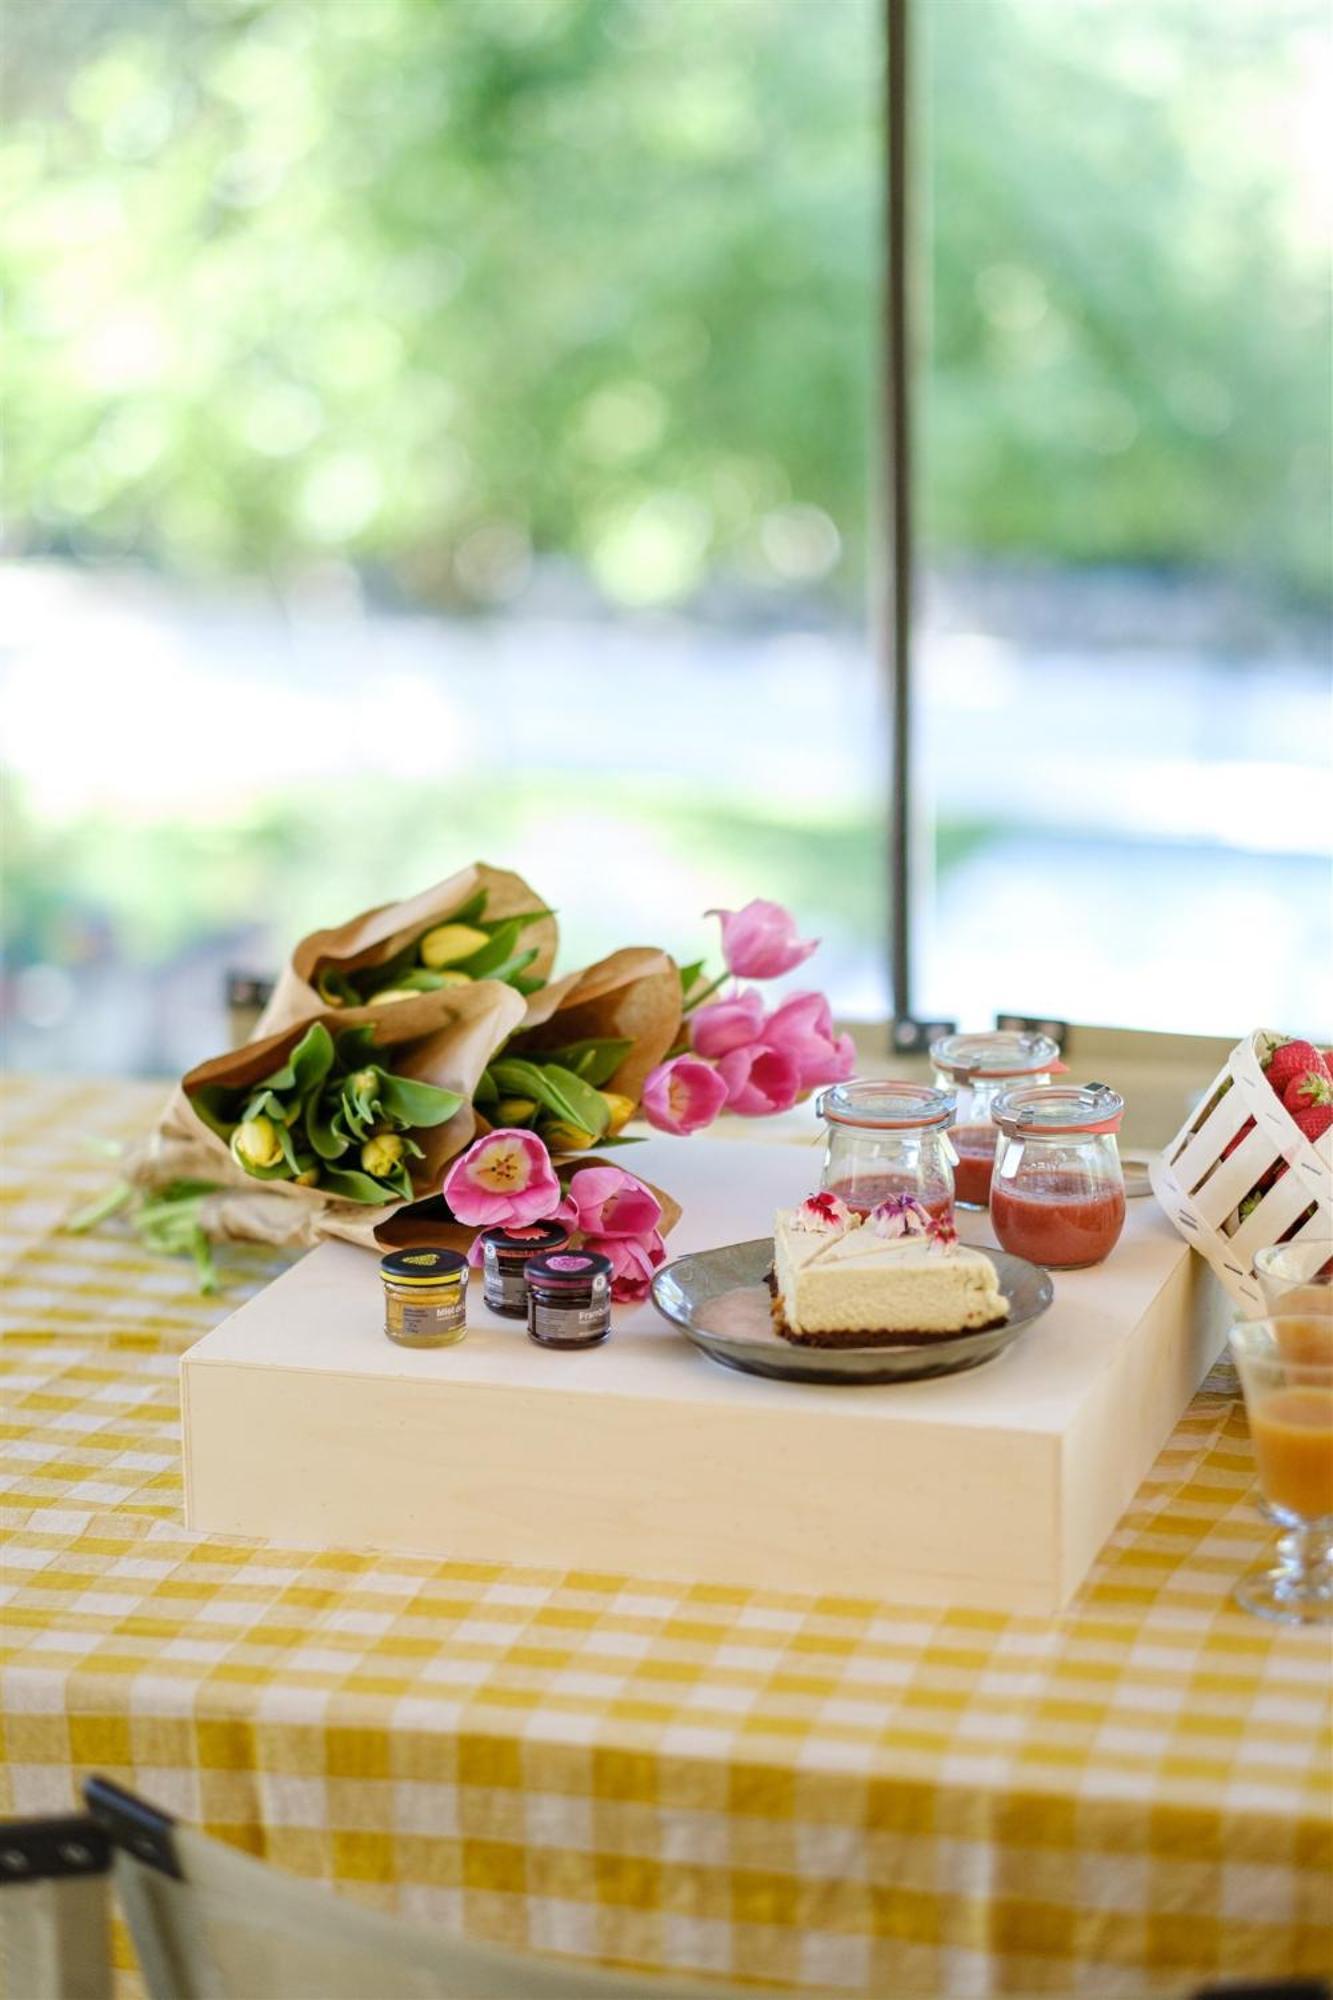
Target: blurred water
x=1137 y=833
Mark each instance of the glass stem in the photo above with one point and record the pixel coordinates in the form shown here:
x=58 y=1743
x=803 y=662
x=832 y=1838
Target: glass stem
x=1306 y=1556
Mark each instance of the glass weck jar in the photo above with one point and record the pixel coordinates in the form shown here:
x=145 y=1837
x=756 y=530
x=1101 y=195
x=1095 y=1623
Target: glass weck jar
x=886 y=1138
x=979 y=1067
x=1057 y=1195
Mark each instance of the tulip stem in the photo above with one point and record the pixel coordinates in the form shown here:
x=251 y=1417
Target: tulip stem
x=697 y=999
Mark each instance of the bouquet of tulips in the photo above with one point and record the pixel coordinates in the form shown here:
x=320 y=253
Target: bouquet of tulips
x=329 y=1116
x=431 y=1035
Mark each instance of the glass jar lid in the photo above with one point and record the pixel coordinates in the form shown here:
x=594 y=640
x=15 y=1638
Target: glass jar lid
x=1047 y=1109
x=1000 y=1053
x=568 y=1270
x=884 y=1105
x=423 y=1267
x=527 y=1240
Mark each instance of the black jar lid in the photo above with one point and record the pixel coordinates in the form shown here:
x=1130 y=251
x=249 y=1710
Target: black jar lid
x=529 y=1239
x=425 y=1265
x=568 y=1270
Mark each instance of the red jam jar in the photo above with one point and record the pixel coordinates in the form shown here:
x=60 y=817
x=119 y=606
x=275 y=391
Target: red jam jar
x=886 y=1138
x=1057 y=1195
x=979 y=1067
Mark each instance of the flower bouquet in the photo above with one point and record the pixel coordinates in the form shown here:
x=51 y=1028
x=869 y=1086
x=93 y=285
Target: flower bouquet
x=395 y=1042
x=482 y=924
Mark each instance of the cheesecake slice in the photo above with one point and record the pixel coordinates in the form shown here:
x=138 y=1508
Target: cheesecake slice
x=894 y=1278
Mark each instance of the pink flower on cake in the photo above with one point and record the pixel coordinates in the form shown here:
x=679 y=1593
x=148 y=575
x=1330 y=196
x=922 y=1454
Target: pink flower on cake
x=607 y=1202
x=633 y=1261
x=683 y=1095
x=802 y=1027
x=900 y=1215
x=724 y=1025
x=760 y=941
x=823 y=1214
x=504 y=1177
x=943 y=1236
x=759 y=1080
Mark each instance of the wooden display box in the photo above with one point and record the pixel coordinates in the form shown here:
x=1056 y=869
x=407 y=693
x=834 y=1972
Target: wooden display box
x=994 y=1488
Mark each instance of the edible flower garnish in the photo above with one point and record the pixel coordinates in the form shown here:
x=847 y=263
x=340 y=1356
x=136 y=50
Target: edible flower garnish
x=823 y=1213
x=900 y=1215
x=943 y=1236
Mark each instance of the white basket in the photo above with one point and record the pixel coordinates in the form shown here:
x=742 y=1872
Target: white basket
x=1202 y=1192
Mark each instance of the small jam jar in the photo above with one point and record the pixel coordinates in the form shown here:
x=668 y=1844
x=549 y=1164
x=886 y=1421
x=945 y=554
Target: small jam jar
x=1057 y=1196
x=569 y=1298
x=978 y=1067
x=506 y=1254
x=425 y=1297
x=888 y=1139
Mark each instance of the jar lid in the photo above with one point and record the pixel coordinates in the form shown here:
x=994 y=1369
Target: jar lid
x=1051 y=1108
x=528 y=1239
x=568 y=1270
x=999 y=1053
x=886 y=1105
x=423 y=1266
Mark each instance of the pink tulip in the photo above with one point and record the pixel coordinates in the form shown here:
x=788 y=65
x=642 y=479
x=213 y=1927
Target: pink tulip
x=724 y=1025
x=803 y=1027
x=760 y=1080
x=504 y=1177
x=760 y=941
x=683 y=1095
x=633 y=1261
x=607 y=1202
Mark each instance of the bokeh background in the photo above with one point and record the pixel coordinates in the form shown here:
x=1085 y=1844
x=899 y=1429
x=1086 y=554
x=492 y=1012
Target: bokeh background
x=439 y=431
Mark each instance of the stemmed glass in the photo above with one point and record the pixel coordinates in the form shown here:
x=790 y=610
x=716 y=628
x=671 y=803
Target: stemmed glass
x=1297 y=1277
x=1286 y=1371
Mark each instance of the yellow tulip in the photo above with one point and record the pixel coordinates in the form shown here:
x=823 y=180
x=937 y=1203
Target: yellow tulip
x=515 y=1111
x=456 y=979
x=389 y=994
x=255 y=1143
x=621 y=1110
x=380 y=1155
x=449 y=942
x=561 y=1137
x=308 y=1178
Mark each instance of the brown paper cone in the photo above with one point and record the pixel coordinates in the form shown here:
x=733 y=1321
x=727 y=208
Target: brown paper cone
x=633 y=995
x=445 y=1038
x=377 y=935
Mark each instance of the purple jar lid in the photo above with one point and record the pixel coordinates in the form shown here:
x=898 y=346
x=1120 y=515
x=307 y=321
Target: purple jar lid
x=529 y=1240
x=568 y=1270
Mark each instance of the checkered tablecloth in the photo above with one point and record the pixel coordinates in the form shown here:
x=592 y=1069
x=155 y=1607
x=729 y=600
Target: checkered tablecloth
x=814 y=1792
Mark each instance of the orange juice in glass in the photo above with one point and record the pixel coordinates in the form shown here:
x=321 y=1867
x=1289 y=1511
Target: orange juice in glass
x=1286 y=1370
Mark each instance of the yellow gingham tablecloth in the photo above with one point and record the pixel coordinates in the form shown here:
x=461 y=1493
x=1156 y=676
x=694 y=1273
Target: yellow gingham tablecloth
x=813 y=1792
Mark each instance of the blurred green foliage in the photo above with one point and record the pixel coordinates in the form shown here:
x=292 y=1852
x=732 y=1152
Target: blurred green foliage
x=441 y=287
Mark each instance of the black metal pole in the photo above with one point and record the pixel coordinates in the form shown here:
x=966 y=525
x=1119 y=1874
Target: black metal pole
x=896 y=433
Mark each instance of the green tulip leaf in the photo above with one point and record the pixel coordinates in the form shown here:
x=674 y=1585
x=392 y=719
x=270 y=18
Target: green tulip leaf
x=595 y=1060
x=413 y=1105
x=498 y=950
x=324 y=1127
x=690 y=976
x=522 y=983
x=487 y=1091
x=350 y=1184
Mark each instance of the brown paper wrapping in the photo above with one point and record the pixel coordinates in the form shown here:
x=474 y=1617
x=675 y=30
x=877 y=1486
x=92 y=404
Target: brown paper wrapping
x=376 y=935
x=445 y=1038
x=634 y=995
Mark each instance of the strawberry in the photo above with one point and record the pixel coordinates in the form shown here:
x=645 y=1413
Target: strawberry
x=1293 y=1059
x=1243 y=1134
x=1315 y=1121
x=1312 y=1087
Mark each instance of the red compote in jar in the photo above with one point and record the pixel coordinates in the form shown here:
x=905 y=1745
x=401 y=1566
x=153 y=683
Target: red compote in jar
x=1057 y=1196
x=978 y=1067
x=888 y=1139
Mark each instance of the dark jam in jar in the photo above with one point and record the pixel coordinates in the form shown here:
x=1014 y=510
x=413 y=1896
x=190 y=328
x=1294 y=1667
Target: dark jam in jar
x=569 y=1298
x=506 y=1254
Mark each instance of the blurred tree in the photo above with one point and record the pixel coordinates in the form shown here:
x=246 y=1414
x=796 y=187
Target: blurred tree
x=444 y=288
